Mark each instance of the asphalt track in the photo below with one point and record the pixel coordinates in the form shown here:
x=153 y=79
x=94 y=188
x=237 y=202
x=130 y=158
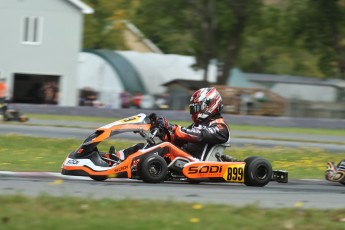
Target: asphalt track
x=318 y=194
x=51 y=129
x=300 y=194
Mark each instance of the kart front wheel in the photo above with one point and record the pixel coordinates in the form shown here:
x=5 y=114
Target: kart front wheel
x=152 y=169
x=257 y=171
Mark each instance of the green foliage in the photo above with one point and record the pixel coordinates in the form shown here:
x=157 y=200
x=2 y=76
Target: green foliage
x=318 y=27
x=20 y=153
x=270 y=46
x=296 y=37
x=164 y=22
x=102 y=29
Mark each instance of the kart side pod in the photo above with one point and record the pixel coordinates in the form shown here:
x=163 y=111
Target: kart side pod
x=253 y=171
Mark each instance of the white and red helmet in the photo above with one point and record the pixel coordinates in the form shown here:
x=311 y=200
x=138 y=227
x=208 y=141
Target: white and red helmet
x=204 y=103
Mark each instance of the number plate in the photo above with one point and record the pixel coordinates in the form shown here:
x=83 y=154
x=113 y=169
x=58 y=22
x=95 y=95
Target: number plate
x=235 y=173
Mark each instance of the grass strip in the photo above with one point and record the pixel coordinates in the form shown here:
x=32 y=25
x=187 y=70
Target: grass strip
x=24 y=153
x=46 y=212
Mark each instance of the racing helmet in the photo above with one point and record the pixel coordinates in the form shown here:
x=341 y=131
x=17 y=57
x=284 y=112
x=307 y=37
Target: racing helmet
x=204 y=103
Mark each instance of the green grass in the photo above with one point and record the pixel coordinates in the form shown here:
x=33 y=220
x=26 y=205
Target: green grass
x=22 y=153
x=105 y=120
x=45 y=212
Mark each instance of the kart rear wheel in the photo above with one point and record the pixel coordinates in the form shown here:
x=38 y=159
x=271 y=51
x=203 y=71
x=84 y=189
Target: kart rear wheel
x=257 y=171
x=152 y=169
x=99 y=178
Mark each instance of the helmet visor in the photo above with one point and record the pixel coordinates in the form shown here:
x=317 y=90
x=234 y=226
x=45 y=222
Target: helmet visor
x=194 y=108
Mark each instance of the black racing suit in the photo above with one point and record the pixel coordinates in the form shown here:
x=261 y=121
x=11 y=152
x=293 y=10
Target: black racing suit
x=198 y=139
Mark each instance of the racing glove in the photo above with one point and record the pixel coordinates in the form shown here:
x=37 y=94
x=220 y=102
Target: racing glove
x=158 y=122
x=163 y=124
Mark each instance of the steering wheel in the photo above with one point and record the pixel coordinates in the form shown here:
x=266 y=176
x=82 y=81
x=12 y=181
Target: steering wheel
x=165 y=132
x=160 y=132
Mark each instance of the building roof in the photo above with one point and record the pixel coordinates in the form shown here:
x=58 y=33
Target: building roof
x=129 y=76
x=190 y=84
x=240 y=79
x=140 y=37
x=147 y=72
x=156 y=69
x=82 y=6
x=271 y=78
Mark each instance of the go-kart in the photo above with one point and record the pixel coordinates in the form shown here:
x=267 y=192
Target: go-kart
x=9 y=113
x=154 y=163
x=336 y=172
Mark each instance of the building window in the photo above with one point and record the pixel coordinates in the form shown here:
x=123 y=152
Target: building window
x=32 y=30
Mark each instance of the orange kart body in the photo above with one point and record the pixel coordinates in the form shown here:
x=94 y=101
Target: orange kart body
x=158 y=162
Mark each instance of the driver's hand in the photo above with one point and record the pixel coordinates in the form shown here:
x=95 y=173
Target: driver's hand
x=162 y=122
x=154 y=120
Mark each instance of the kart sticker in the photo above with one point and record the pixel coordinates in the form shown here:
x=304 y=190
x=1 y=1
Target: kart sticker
x=129 y=120
x=72 y=162
x=229 y=171
x=234 y=173
x=204 y=170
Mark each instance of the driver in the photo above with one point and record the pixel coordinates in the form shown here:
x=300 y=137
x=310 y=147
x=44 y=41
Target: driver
x=208 y=128
x=3 y=103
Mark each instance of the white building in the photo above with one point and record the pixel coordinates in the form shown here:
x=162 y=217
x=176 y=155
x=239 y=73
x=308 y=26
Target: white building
x=40 y=44
x=113 y=72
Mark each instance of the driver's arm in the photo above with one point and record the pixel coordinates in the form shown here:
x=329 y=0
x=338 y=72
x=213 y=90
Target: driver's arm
x=214 y=134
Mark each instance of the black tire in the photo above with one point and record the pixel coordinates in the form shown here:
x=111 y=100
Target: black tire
x=152 y=169
x=99 y=178
x=193 y=181
x=257 y=171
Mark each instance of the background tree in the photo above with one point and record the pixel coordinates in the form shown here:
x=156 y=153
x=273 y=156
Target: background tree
x=202 y=20
x=321 y=25
x=164 y=23
x=295 y=37
x=234 y=16
x=103 y=29
x=270 y=46
x=206 y=29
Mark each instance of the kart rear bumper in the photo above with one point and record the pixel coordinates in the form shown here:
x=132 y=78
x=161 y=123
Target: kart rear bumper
x=281 y=176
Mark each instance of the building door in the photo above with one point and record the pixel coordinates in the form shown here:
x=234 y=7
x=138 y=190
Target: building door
x=35 y=89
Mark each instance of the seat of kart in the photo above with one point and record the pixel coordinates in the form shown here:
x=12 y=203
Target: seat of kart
x=215 y=152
